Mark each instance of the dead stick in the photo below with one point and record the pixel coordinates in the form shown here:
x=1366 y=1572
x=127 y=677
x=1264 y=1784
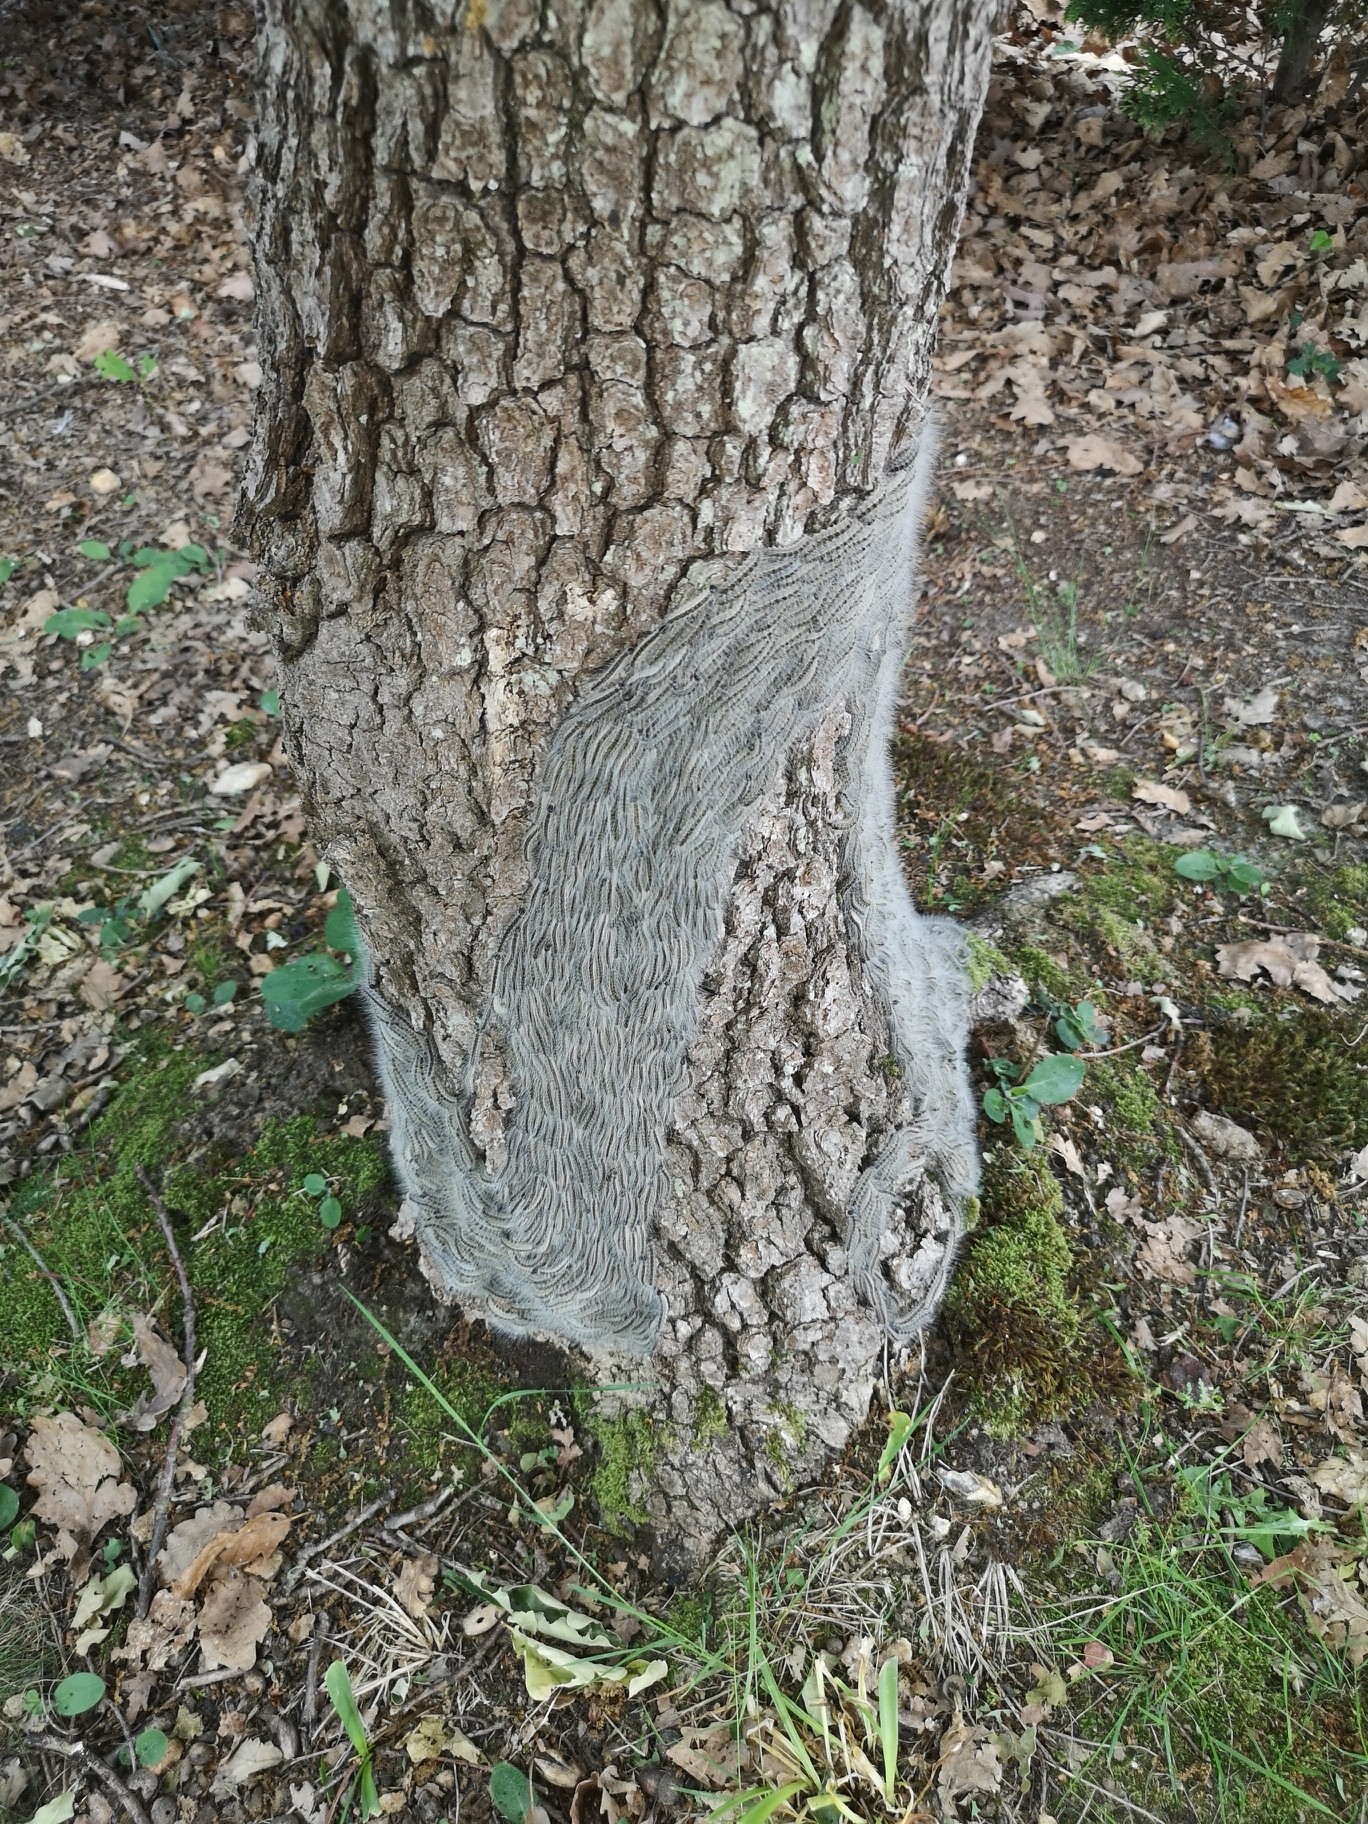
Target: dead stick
x=46 y=1272
x=91 y=1762
x=162 y=1509
x=296 y=1570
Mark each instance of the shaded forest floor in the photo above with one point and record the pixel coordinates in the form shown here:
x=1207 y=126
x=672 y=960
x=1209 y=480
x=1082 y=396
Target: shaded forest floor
x=1116 y=1546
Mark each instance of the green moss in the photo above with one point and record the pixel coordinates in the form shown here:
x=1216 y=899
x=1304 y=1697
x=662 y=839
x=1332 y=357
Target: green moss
x=1042 y=973
x=91 y=1222
x=1340 y=899
x=983 y=961
x=1137 y=1128
x=434 y=1439
x=709 y=1416
x=1011 y=1310
x=1116 y=903
x=627 y=1447
x=1297 y=1080
x=690 y=1615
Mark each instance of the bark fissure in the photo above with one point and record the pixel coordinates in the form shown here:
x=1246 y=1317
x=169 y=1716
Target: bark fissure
x=580 y=326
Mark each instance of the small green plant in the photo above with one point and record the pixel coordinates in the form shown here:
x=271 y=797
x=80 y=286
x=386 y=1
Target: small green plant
x=1310 y=360
x=1229 y=873
x=510 y=1792
x=299 y=989
x=221 y=996
x=8 y=566
x=77 y=1694
x=337 y=1683
x=110 y=366
x=9 y=1506
x=329 y=1208
x=1075 y=1026
x=1019 y=1099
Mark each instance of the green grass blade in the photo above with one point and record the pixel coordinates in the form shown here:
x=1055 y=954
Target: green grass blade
x=888 y=1724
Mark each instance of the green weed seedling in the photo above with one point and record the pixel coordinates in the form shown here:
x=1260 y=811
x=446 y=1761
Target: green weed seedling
x=329 y=1208
x=510 y=1792
x=337 y=1683
x=1228 y=873
x=299 y=989
x=1054 y=1079
x=110 y=366
x=220 y=997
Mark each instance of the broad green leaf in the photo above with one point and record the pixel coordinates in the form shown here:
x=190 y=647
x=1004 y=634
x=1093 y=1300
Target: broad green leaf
x=315 y=1184
x=56 y=1811
x=8 y=566
x=1282 y=820
x=150 y=587
x=95 y=549
x=1026 y=1124
x=110 y=366
x=1056 y=1078
x=68 y=622
x=1244 y=877
x=532 y=1610
x=150 y=1747
x=337 y=1684
x=9 y=1506
x=298 y=990
x=127 y=623
x=995 y=1104
x=95 y=656
x=194 y=1003
x=510 y=1792
x=899 y=1431
x=224 y=993
x=339 y=928
x=269 y=702
x=1198 y=864
x=330 y=1212
x=77 y=1694
x=153 y=898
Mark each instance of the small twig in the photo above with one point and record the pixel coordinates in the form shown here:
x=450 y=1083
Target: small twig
x=309 y=1715
x=1173 y=1064
x=162 y=1509
x=1116 y=1050
x=47 y=1273
x=425 y=1510
x=1244 y=1209
x=1202 y=1162
x=91 y=1762
x=296 y=1570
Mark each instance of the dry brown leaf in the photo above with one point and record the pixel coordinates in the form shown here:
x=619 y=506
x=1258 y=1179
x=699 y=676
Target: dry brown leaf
x=1168 y=797
x=247 y=1762
x=415 y=1583
x=1261 y=1444
x=1289 y=962
x=102 y=985
x=1329 y=1589
x=76 y=1471
x=1095 y=452
x=1346 y=1477
x=1163 y=1252
x=168 y=1376
x=233 y=1621
x=968 y=1762
x=185 y=1541
x=161 y=1636
x=1356 y=537
x=253 y=1543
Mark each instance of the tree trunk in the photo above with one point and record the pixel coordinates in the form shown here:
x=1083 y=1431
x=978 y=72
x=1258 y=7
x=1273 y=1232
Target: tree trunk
x=585 y=490
x=1305 y=23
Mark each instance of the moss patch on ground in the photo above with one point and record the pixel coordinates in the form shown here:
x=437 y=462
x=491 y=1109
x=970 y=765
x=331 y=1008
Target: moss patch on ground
x=626 y=1446
x=243 y=1229
x=1017 y=1322
x=1296 y=1079
x=1339 y=899
x=1135 y=1122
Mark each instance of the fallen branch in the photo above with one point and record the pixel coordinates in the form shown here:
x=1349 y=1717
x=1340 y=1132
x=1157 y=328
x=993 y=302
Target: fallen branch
x=91 y=1762
x=296 y=1570
x=162 y=1509
x=47 y=1273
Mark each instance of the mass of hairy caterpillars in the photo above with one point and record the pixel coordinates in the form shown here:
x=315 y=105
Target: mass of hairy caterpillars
x=648 y=782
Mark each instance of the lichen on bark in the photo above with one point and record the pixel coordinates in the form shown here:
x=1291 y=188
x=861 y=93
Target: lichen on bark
x=576 y=322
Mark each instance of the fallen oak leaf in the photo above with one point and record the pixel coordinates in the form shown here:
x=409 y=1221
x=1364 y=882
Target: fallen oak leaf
x=168 y=1376
x=252 y=1544
x=1094 y=452
x=77 y=1472
x=1169 y=797
x=1344 y=1477
x=233 y=1622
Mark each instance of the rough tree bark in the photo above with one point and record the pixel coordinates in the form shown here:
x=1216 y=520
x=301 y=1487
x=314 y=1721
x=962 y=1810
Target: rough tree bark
x=595 y=338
